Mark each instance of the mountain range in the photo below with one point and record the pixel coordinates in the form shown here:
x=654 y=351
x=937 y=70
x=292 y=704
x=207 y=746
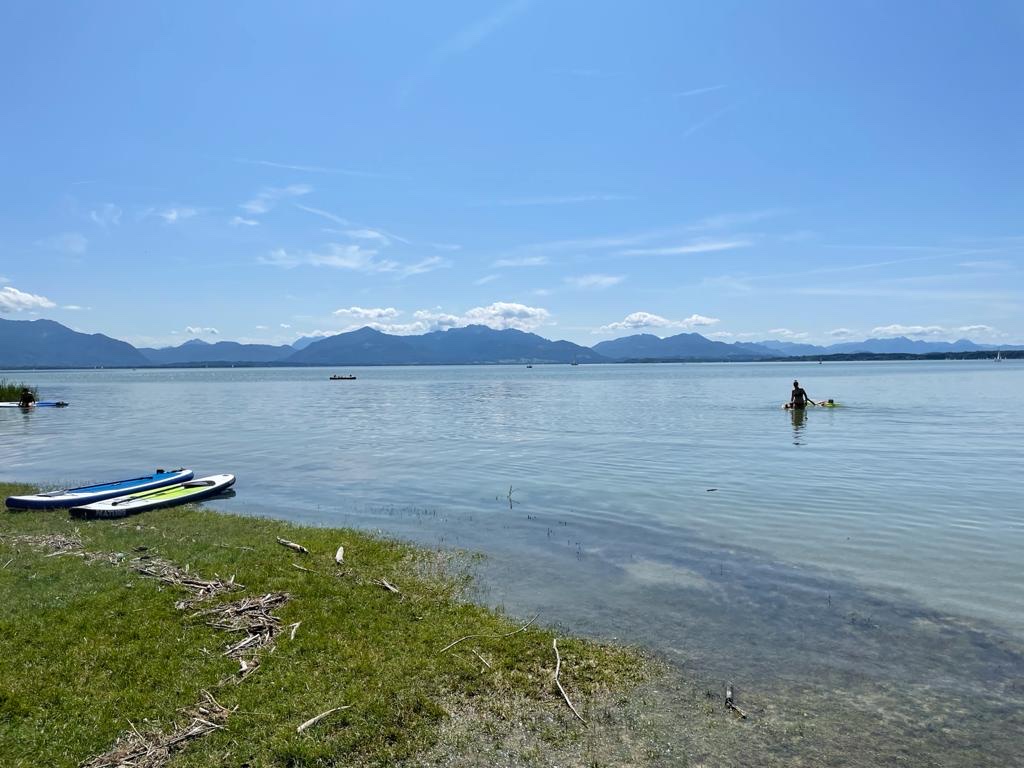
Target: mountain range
x=48 y=344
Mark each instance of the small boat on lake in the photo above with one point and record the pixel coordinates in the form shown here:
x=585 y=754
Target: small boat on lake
x=342 y=378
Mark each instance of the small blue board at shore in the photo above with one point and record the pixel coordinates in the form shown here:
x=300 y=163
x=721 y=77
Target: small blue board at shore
x=73 y=497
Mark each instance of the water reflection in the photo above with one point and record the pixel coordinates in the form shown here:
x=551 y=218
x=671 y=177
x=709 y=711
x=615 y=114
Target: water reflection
x=798 y=416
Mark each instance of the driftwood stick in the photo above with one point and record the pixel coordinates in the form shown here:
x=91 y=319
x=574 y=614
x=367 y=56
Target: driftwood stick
x=314 y=720
x=730 y=704
x=339 y=556
x=558 y=668
x=307 y=570
x=388 y=586
x=292 y=545
x=295 y=628
x=507 y=634
x=481 y=658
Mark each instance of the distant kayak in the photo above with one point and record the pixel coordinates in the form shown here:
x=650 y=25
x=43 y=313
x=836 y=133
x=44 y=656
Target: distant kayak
x=171 y=496
x=88 y=494
x=343 y=378
x=43 y=404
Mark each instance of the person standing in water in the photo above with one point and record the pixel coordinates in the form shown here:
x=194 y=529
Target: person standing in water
x=27 y=398
x=799 y=398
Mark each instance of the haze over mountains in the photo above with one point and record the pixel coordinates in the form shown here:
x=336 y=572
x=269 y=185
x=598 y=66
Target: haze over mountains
x=48 y=344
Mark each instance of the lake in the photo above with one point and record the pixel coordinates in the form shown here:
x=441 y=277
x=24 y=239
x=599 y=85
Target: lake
x=677 y=506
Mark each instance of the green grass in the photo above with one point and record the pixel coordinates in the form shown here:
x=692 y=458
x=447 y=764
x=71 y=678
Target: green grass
x=89 y=650
x=10 y=391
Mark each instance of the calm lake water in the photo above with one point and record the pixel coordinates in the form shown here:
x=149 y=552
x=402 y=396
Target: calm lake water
x=672 y=505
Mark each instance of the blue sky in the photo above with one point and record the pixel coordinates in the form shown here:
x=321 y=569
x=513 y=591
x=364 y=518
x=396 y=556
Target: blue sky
x=585 y=169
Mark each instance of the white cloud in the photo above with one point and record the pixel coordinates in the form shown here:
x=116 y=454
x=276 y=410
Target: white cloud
x=74 y=307
x=841 y=333
x=503 y=314
x=986 y=329
x=486 y=279
x=195 y=330
x=521 y=261
x=908 y=330
x=372 y=313
x=240 y=221
x=267 y=197
x=69 y=242
x=704 y=246
x=107 y=215
x=173 y=215
x=594 y=281
x=285 y=325
x=13 y=300
x=262 y=327
x=499 y=315
x=786 y=333
x=638 y=320
x=4 y=280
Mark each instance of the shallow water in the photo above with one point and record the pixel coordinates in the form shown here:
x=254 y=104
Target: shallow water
x=876 y=544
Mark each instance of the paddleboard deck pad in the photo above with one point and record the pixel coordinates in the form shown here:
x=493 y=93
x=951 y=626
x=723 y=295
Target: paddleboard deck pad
x=88 y=494
x=43 y=404
x=170 y=496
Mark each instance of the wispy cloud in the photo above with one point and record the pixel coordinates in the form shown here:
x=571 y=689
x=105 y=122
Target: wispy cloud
x=68 y=242
x=173 y=215
x=640 y=320
x=698 y=91
x=107 y=215
x=562 y=200
x=462 y=41
x=241 y=221
x=520 y=261
x=732 y=220
x=325 y=214
x=429 y=264
x=352 y=257
x=268 y=197
x=594 y=281
x=470 y=36
x=486 y=279
x=842 y=333
x=198 y=330
x=309 y=168
x=13 y=300
x=706 y=121
x=703 y=246
x=75 y=308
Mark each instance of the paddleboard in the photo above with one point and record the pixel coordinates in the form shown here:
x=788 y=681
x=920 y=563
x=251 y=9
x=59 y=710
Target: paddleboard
x=72 y=497
x=43 y=404
x=171 y=496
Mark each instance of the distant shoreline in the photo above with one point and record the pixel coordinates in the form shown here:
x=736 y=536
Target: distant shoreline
x=835 y=358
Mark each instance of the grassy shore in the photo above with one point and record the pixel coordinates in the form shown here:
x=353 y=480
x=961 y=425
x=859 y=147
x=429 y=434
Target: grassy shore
x=95 y=650
x=10 y=391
